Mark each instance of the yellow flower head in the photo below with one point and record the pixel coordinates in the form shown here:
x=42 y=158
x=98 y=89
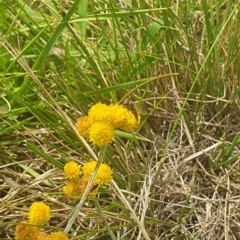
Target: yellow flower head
x=99 y=113
x=70 y=189
x=24 y=231
x=72 y=170
x=83 y=124
x=39 y=213
x=118 y=115
x=130 y=122
x=122 y=118
x=39 y=236
x=83 y=184
x=57 y=236
x=75 y=189
x=101 y=134
x=103 y=176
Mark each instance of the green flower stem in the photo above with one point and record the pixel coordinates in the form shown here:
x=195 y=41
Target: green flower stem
x=99 y=210
x=77 y=208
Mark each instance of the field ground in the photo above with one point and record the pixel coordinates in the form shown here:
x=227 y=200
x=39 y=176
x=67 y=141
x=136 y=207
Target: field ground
x=175 y=63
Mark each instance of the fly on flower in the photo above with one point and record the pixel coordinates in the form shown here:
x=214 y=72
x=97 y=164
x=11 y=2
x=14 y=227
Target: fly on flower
x=124 y=119
x=154 y=117
x=130 y=105
x=94 y=187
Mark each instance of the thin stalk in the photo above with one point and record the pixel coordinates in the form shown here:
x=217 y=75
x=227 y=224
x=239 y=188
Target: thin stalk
x=99 y=210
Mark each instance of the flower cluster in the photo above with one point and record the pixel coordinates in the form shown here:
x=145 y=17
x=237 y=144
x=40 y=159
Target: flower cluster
x=98 y=127
x=38 y=215
x=78 y=178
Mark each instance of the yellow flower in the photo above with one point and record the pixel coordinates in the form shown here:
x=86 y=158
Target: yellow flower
x=83 y=124
x=75 y=189
x=122 y=118
x=101 y=134
x=131 y=122
x=39 y=236
x=72 y=170
x=39 y=213
x=118 y=115
x=104 y=173
x=83 y=184
x=70 y=188
x=99 y=113
x=24 y=231
x=57 y=236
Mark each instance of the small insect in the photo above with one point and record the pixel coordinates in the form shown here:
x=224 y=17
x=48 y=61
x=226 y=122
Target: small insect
x=130 y=105
x=155 y=120
x=94 y=187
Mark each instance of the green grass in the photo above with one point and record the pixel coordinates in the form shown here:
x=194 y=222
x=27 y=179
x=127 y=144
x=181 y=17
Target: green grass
x=177 y=176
